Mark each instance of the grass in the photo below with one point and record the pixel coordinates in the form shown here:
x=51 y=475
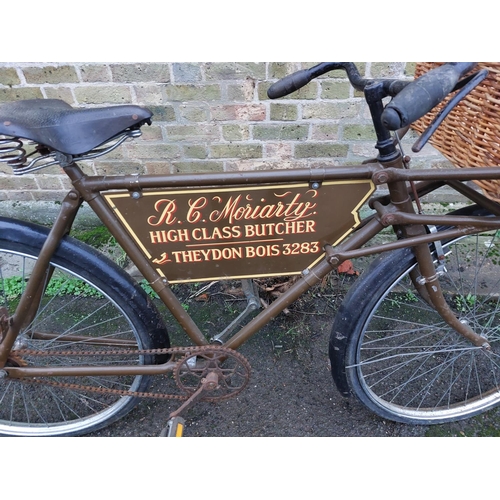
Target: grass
x=100 y=238
x=14 y=286
x=485 y=425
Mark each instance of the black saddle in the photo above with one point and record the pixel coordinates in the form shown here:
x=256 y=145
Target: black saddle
x=73 y=131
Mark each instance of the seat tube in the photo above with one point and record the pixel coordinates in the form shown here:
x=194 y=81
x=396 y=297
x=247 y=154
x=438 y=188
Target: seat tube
x=68 y=211
x=159 y=284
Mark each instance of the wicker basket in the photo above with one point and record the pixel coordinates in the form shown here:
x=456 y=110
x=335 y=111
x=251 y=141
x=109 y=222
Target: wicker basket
x=470 y=135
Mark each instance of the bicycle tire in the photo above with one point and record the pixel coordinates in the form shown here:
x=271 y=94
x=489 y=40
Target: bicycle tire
x=88 y=299
x=395 y=354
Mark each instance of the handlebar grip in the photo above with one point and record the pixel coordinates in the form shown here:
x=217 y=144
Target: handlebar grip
x=290 y=84
x=420 y=96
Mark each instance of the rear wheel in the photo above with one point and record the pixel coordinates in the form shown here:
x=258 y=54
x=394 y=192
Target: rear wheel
x=395 y=353
x=88 y=305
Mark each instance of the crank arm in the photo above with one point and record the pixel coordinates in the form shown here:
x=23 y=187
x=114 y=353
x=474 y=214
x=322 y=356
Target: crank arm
x=209 y=383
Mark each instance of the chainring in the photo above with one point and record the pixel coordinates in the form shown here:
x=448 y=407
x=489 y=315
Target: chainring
x=231 y=368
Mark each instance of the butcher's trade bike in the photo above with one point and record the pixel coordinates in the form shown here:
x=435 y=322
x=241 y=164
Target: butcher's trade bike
x=416 y=338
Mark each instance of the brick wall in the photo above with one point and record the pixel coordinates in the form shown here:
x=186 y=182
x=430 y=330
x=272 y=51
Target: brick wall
x=207 y=117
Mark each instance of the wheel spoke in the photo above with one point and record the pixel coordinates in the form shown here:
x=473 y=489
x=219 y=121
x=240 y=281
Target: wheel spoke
x=405 y=362
x=73 y=315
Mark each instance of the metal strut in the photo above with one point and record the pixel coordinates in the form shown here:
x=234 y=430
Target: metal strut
x=253 y=304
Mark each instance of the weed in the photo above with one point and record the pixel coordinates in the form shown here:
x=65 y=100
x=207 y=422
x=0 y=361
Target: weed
x=465 y=303
x=13 y=287
x=148 y=289
x=410 y=296
x=398 y=299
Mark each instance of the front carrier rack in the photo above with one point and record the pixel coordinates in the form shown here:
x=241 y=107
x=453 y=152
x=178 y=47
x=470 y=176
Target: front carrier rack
x=13 y=153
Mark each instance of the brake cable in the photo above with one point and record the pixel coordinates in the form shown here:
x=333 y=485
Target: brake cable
x=465 y=86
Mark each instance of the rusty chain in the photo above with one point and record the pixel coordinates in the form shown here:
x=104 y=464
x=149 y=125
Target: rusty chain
x=185 y=351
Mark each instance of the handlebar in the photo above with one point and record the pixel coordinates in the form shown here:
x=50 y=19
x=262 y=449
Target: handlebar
x=290 y=84
x=410 y=99
x=299 y=79
x=423 y=94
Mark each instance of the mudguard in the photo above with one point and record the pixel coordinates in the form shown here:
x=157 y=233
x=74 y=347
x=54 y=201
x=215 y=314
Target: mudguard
x=71 y=250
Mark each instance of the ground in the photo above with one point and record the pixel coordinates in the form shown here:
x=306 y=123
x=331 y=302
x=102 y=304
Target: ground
x=291 y=392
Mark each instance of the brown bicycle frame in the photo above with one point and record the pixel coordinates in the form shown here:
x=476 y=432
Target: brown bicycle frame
x=395 y=209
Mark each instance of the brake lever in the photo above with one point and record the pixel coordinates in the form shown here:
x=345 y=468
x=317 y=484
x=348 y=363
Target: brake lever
x=465 y=86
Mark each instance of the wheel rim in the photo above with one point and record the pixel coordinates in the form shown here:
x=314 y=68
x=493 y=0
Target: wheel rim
x=412 y=365
x=82 y=310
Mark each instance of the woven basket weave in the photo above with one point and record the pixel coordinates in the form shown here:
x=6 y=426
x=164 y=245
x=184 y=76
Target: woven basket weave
x=470 y=135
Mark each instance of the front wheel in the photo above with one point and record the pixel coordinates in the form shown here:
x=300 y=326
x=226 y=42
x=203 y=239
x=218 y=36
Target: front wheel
x=88 y=305
x=396 y=354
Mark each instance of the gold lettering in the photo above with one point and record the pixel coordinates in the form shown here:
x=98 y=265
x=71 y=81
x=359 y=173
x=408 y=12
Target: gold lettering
x=196 y=233
x=310 y=224
x=164 y=259
x=156 y=236
x=292 y=211
x=166 y=216
x=227 y=212
x=280 y=228
x=182 y=256
x=173 y=235
x=217 y=233
x=182 y=235
x=262 y=251
x=249 y=231
x=194 y=212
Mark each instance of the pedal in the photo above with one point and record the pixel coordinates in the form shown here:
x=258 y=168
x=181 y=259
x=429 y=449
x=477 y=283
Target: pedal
x=174 y=428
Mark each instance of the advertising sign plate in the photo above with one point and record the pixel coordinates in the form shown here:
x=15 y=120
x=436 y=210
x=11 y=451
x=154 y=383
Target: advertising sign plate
x=239 y=232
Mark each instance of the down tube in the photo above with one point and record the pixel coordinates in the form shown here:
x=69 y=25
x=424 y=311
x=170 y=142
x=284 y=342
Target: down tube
x=314 y=276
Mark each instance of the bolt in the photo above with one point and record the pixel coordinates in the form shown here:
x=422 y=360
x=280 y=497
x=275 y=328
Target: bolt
x=315 y=185
x=333 y=261
x=211 y=382
x=136 y=195
x=381 y=178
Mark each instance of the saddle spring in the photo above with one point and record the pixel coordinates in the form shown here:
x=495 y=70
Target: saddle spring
x=12 y=153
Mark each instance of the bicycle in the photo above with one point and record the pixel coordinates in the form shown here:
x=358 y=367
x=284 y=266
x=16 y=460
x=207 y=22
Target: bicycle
x=414 y=340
